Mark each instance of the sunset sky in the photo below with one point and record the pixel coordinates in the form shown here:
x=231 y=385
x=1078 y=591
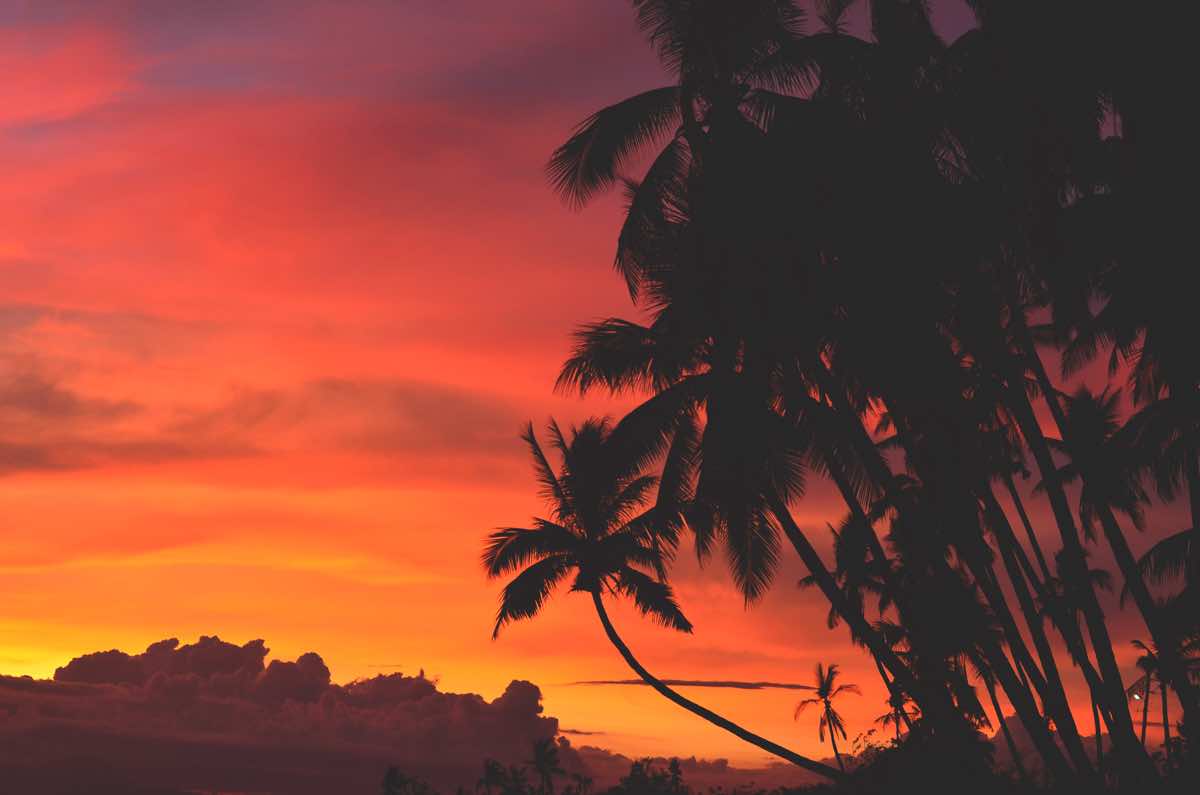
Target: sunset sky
x=279 y=284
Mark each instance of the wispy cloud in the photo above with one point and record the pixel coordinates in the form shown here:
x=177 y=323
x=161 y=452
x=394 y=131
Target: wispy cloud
x=732 y=684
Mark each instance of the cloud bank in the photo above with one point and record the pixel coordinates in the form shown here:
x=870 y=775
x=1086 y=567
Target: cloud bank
x=213 y=715
x=216 y=716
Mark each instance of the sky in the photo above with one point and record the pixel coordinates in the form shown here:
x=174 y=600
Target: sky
x=279 y=284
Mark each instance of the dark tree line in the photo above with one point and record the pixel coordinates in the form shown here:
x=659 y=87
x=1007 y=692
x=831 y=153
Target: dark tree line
x=884 y=261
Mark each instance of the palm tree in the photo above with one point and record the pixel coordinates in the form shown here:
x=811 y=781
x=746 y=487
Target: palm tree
x=1140 y=690
x=827 y=690
x=580 y=784
x=545 y=764
x=493 y=777
x=897 y=714
x=760 y=322
x=1100 y=455
x=603 y=534
x=515 y=781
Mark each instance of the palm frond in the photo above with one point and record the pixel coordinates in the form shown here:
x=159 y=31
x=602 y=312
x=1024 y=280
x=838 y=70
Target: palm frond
x=655 y=208
x=622 y=356
x=752 y=550
x=524 y=596
x=510 y=548
x=653 y=598
x=550 y=488
x=592 y=157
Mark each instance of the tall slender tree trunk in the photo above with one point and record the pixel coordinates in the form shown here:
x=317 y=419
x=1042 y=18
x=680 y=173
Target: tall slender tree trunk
x=1055 y=696
x=1023 y=701
x=1145 y=708
x=931 y=701
x=895 y=693
x=1099 y=738
x=1193 y=484
x=1188 y=695
x=1018 y=693
x=833 y=740
x=703 y=712
x=1162 y=690
x=1112 y=692
x=1069 y=632
x=879 y=472
x=1171 y=667
x=1019 y=504
x=990 y=685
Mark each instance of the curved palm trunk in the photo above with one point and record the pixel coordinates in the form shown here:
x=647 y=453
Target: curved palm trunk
x=1099 y=739
x=990 y=685
x=710 y=716
x=833 y=740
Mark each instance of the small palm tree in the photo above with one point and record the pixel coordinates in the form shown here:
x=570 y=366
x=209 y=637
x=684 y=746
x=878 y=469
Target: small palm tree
x=1151 y=668
x=827 y=691
x=580 y=784
x=545 y=764
x=603 y=534
x=897 y=714
x=492 y=779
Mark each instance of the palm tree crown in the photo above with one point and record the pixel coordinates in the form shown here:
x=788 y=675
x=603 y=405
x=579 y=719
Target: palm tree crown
x=827 y=689
x=600 y=531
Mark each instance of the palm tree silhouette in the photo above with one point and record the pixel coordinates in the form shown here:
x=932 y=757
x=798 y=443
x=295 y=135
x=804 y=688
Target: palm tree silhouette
x=580 y=784
x=744 y=243
x=1150 y=663
x=603 y=534
x=827 y=689
x=545 y=764
x=1140 y=690
x=897 y=714
x=1102 y=455
x=493 y=777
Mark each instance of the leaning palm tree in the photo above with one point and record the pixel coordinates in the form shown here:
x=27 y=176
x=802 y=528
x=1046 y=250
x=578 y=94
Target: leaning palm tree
x=827 y=691
x=604 y=536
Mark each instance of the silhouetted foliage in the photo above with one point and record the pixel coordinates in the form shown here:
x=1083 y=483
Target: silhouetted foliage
x=855 y=257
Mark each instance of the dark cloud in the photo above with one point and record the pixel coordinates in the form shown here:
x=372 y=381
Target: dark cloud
x=136 y=334
x=27 y=395
x=51 y=426
x=385 y=417
x=218 y=716
x=213 y=715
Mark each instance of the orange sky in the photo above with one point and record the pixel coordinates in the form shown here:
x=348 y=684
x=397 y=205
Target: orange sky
x=277 y=289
